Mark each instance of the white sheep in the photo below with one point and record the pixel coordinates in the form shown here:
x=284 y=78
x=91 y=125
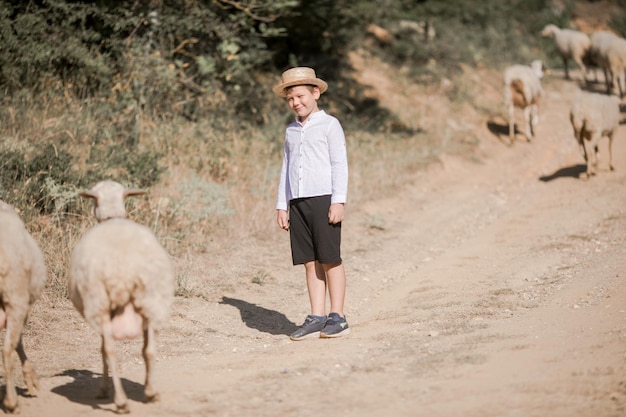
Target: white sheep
x=608 y=52
x=570 y=44
x=593 y=116
x=522 y=89
x=596 y=55
x=22 y=278
x=122 y=283
x=616 y=58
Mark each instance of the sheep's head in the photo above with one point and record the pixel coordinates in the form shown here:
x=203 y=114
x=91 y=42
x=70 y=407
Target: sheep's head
x=109 y=199
x=549 y=31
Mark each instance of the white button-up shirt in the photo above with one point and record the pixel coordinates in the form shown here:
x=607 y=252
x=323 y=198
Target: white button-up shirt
x=315 y=161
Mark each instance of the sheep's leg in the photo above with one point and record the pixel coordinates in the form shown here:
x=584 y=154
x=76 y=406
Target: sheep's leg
x=610 y=135
x=534 y=117
x=592 y=154
x=149 y=357
x=581 y=144
x=105 y=385
x=527 y=119
x=11 y=340
x=583 y=69
x=28 y=370
x=616 y=84
x=565 y=68
x=621 y=83
x=608 y=79
x=511 y=122
x=583 y=149
x=611 y=81
x=110 y=363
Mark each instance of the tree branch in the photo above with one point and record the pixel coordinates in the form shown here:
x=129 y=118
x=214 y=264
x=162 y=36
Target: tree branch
x=224 y=4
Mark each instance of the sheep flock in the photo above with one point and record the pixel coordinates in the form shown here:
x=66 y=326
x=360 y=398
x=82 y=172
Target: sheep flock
x=121 y=280
x=593 y=115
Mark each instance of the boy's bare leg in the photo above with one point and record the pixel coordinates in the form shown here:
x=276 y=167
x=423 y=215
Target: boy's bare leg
x=336 y=277
x=316 y=284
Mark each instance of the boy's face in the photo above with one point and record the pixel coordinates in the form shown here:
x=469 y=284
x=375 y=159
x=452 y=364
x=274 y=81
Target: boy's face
x=302 y=99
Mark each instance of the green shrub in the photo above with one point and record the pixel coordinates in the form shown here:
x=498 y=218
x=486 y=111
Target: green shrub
x=45 y=180
x=618 y=22
x=35 y=183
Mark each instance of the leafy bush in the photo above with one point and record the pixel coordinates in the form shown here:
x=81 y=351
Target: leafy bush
x=162 y=56
x=45 y=180
x=216 y=59
x=37 y=175
x=618 y=21
x=491 y=32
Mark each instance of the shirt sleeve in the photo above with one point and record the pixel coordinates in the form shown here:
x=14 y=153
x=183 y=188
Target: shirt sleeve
x=338 y=162
x=281 y=203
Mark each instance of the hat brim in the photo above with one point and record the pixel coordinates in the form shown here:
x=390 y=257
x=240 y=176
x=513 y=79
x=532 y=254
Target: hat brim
x=319 y=83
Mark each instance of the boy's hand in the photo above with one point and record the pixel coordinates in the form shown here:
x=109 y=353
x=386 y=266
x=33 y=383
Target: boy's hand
x=283 y=219
x=335 y=213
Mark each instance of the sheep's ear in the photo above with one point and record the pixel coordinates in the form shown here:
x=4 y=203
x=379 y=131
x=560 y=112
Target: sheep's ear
x=88 y=194
x=129 y=192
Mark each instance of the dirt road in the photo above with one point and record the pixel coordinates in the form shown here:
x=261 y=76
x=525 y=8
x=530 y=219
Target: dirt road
x=485 y=288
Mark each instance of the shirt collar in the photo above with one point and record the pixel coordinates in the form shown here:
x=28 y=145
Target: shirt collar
x=312 y=116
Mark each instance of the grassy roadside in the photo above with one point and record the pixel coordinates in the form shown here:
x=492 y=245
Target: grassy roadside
x=212 y=180
x=215 y=186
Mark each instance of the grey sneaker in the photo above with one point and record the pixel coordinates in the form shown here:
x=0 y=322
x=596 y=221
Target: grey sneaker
x=336 y=326
x=311 y=328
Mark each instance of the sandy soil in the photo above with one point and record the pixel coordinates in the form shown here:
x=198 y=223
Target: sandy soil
x=489 y=286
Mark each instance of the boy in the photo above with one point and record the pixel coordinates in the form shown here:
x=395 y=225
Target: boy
x=311 y=195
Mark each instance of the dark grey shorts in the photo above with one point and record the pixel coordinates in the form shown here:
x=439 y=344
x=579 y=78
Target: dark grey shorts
x=313 y=238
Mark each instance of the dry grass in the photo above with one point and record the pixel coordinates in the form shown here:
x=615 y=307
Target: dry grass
x=219 y=182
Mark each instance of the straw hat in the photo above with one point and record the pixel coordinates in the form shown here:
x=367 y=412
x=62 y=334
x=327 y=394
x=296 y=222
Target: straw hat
x=299 y=76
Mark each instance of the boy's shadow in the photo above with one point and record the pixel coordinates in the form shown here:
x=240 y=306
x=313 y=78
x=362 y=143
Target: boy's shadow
x=85 y=386
x=260 y=318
